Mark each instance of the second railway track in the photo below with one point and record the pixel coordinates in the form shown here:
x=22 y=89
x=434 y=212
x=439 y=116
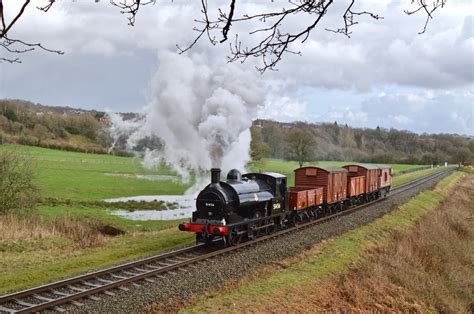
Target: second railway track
x=151 y=269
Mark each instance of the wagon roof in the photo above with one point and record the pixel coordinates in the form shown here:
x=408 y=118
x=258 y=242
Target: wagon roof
x=326 y=168
x=366 y=166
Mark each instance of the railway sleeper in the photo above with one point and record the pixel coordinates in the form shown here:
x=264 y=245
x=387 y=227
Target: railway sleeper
x=118 y=276
x=23 y=303
x=6 y=309
x=87 y=283
x=74 y=288
x=77 y=303
x=59 y=309
x=103 y=280
x=62 y=294
x=40 y=297
x=182 y=258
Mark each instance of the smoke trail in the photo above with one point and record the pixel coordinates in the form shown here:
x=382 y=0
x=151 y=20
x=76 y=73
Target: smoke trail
x=202 y=112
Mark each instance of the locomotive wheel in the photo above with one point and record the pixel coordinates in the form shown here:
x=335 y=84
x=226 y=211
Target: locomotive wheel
x=234 y=238
x=260 y=232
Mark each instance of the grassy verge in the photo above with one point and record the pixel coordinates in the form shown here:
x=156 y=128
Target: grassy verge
x=46 y=256
x=281 y=286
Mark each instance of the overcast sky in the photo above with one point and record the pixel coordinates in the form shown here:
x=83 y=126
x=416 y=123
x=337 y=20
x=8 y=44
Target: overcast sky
x=384 y=75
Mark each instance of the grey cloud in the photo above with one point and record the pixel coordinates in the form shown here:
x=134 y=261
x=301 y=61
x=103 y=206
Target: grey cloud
x=432 y=111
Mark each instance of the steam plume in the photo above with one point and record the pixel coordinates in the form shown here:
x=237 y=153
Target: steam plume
x=201 y=111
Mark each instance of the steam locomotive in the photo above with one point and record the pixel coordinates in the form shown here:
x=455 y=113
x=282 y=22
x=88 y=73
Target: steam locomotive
x=251 y=205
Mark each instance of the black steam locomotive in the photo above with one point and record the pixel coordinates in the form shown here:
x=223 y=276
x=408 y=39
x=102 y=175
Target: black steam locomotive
x=243 y=207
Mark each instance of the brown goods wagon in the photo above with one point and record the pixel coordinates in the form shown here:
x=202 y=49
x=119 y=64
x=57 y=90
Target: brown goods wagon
x=385 y=176
x=301 y=197
x=355 y=186
x=370 y=172
x=333 y=180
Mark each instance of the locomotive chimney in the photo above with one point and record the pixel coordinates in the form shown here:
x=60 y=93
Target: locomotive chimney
x=215 y=175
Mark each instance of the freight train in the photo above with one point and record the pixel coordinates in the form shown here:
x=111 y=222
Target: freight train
x=248 y=206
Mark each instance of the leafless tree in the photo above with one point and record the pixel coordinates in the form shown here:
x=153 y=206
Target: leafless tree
x=270 y=27
x=301 y=145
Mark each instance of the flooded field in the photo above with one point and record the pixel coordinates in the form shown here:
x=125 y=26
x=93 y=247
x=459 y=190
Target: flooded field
x=185 y=205
x=150 y=177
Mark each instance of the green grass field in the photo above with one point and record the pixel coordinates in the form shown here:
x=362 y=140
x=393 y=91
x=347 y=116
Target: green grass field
x=83 y=177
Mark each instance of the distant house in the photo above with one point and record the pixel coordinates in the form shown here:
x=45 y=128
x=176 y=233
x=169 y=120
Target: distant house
x=104 y=121
x=258 y=124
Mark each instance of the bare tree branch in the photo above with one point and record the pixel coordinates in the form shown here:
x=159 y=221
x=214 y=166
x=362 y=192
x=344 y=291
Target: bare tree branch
x=5 y=29
x=429 y=10
x=17 y=46
x=275 y=40
x=349 y=21
x=131 y=8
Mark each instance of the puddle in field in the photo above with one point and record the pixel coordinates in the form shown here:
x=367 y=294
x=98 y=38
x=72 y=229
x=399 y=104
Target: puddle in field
x=151 y=177
x=185 y=207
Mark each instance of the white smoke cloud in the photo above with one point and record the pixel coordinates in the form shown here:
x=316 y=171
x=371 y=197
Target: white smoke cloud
x=121 y=128
x=202 y=111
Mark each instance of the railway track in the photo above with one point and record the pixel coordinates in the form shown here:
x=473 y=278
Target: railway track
x=125 y=276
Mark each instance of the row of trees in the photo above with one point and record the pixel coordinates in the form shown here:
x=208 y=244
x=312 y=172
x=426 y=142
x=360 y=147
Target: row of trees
x=303 y=142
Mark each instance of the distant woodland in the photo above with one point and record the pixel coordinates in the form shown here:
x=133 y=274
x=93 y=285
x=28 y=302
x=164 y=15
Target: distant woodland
x=65 y=128
x=331 y=141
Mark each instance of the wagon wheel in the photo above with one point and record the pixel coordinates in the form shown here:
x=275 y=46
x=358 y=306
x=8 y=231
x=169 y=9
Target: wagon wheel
x=298 y=218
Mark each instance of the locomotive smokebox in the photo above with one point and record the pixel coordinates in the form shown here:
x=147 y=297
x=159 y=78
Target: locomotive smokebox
x=215 y=175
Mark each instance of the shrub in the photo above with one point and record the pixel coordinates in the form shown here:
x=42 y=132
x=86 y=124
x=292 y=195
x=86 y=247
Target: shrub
x=17 y=191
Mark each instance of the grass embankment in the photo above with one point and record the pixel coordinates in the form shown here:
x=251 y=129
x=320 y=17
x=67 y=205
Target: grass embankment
x=404 y=261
